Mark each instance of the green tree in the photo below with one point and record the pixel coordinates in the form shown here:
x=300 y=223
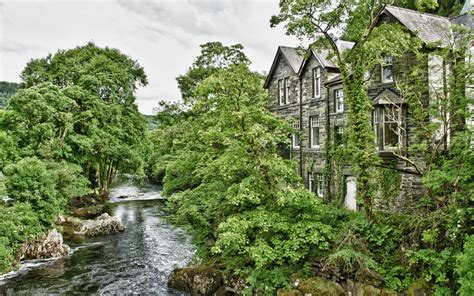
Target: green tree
x=228 y=181
x=47 y=187
x=102 y=129
x=7 y=89
x=213 y=56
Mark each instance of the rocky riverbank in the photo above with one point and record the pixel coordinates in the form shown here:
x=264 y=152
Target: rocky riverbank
x=207 y=281
x=51 y=245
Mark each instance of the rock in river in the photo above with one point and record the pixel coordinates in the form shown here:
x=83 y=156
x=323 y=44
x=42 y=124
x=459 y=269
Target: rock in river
x=102 y=225
x=201 y=280
x=49 y=246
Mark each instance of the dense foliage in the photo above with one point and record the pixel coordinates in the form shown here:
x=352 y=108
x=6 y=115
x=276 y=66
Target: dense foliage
x=66 y=132
x=218 y=161
x=7 y=89
x=226 y=179
x=424 y=240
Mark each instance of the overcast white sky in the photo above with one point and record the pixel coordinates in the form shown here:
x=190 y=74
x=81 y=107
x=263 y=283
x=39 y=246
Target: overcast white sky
x=163 y=35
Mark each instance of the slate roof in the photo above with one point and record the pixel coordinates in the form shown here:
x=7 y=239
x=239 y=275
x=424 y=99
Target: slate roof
x=334 y=80
x=431 y=29
x=463 y=19
x=324 y=57
x=468 y=6
x=293 y=56
x=387 y=96
x=466 y=16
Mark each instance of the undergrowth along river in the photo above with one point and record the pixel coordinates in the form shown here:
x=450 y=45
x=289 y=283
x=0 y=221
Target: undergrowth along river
x=138 y=260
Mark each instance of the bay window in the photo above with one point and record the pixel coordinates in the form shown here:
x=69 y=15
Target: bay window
x=387 y=124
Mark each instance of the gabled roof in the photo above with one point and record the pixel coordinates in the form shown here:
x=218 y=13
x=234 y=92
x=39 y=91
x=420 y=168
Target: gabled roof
x=324 y=57
x=431 y=29
x=387 y=97
x=335 y=80
x=293 y=56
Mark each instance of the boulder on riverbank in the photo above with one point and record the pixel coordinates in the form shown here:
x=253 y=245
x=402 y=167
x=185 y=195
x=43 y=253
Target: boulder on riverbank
x=103 y=225
x=201 y=280
x=49 y=246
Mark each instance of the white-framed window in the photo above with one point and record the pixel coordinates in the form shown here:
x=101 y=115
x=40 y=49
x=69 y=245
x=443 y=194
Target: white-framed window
x=320 y=185
x=339 y=100
x=281 y=92
x=387 y=128
x=391 y=130
x=295 y=137
x=311 y=182
x=314 y=130
x=387 y=69
x=287 y=90
x=316 y=82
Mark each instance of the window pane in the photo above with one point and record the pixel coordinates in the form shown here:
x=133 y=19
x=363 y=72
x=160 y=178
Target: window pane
x=387 y=73
x=391 y=134
x=320 y=184
x=281 y=92
x=296 y=137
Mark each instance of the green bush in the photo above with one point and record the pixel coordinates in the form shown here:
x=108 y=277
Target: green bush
x=47 y=187
x=465 y=268
x=30 y=181
x=18 y=224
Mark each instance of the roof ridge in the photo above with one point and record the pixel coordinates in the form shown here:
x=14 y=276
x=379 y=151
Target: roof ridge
x=284 y=46
x=415 y=11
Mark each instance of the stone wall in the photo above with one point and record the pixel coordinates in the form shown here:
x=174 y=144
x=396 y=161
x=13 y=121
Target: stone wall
x=333 y=120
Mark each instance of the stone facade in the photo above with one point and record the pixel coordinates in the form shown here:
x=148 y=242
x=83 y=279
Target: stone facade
x=315 y=105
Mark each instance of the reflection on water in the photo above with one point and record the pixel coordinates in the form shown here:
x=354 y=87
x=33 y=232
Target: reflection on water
x=137 y=261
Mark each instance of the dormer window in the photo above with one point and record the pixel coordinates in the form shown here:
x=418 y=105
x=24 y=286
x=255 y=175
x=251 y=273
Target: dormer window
x=387 y=69
x=316 y=82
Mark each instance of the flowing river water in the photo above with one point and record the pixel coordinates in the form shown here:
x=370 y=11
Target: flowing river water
x=137 y=261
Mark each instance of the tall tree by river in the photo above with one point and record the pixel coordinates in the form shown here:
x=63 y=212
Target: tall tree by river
x=102 y=130
x=69 y=129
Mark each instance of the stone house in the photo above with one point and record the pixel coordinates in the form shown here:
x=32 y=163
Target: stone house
x=305 y=87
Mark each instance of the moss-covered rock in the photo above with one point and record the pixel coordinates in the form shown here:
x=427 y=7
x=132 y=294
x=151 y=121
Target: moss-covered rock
x=89 y=212
x=419 y=287
x=320 y=287
x=201 y=280
x=293 y=292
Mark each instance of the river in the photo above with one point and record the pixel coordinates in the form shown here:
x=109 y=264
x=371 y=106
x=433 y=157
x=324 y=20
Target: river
x=136 y=261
